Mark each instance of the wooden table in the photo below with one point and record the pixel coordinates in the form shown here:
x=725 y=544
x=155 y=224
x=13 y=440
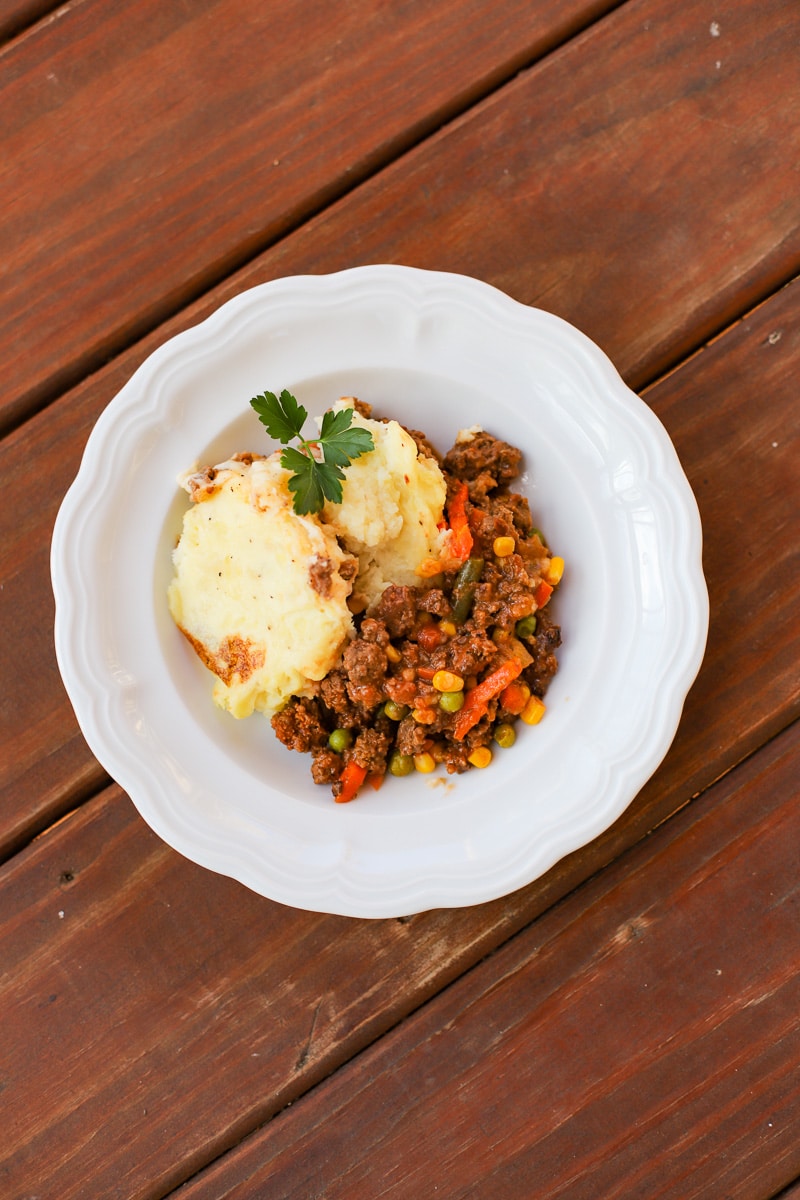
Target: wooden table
x=626 y=1026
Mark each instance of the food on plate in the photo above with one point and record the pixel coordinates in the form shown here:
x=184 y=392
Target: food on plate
x=266 y=594
x=386 y=606
x=259 y=591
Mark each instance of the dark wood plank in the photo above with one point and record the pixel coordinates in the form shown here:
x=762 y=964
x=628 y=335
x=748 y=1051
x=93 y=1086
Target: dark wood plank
x=640 y=182
x=15 y=15
x=150 y=925
x=640 y=1040
x=149 y=148
x=182 y=1009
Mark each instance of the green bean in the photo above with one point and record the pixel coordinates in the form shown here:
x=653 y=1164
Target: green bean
x=464 y=589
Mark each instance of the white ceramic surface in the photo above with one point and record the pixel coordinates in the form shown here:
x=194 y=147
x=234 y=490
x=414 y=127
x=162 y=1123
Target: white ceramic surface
x=438 y=352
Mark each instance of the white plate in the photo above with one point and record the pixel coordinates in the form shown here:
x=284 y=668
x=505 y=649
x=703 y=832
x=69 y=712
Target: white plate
x=438 y=352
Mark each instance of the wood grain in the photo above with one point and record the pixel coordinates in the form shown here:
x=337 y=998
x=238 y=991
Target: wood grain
x=642 y=182
x=150 y=148
x=626 y=1025
x=185 y=1012
x=519 y=1081
x=245 y=977
x=182 y=1009
x=42 y=756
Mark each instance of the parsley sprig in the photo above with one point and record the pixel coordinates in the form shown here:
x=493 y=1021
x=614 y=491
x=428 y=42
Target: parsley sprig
x=317 y=464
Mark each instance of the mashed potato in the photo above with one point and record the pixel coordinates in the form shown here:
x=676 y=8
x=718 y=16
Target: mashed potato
x=265 y=596
x=391 y=511
x=258 y=591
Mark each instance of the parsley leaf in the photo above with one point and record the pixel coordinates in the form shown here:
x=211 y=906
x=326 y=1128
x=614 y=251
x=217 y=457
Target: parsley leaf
x=283 y=418
x=316 y=465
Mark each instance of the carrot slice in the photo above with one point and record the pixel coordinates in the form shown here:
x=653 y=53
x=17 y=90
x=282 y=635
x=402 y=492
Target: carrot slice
x=542 y=594
x=476 y=701
x=514 y=697
x=351 y=779
x=461 y=543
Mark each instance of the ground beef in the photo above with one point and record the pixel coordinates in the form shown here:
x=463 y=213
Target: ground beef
x=320 y=574
x=342 y=711
x=381 y=694
x=435 y=602
x=483 y=458
x=326 y=766
x=397 y=608
x=365 y=662
x=470 y=652
x=411 y=737
x=299 y=725
x=370 y=750
x=365 y=667
x=542 y=649
x=424 y=446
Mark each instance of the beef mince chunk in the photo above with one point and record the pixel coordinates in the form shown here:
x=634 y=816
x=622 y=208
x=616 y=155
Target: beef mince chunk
x=365 y=664
x=299 y=725
x=326 y=766
x=469 y=653
x=483 y=454
x=397 y=608
x=320 y=574
x=370 y=750
x=342 y=712
x=542 y=648
x=424 y=446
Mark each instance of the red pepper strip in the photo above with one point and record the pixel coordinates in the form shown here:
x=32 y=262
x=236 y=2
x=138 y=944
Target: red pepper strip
x=351 y=780
x=542 y=594
x=461 y=542
x=476 y=701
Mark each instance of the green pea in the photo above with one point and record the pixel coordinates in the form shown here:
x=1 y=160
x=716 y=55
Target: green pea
x=394 y=711
x=451 y=702
x=505 y=736
x=340 y=740
x=401 y=764
x=526 y=627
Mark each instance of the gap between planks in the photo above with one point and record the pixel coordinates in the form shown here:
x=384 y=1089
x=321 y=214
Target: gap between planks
x=171 y=305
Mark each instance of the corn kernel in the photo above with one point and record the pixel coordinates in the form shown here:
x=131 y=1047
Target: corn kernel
x=428 y=568
x=533 y=711
x=447 y=628
x=503 y=546
x=423 y=716
x=393 y=654
x=555 y=570
x=446 y=681
x=480 y=757
x=425 y=763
